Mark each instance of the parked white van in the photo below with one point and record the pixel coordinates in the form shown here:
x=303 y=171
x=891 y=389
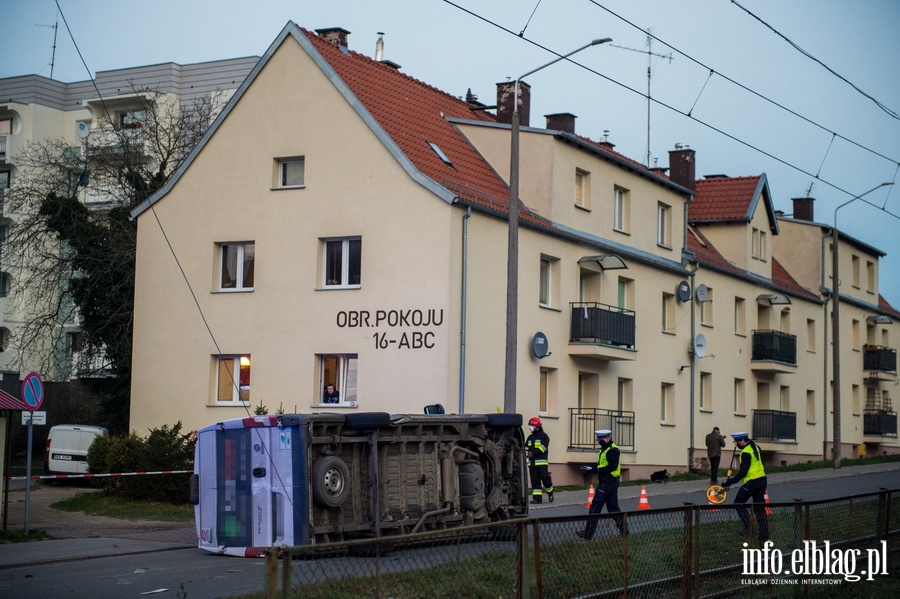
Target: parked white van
x=67 y=448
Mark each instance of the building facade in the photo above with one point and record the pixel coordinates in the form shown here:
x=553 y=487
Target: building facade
x=358 y=240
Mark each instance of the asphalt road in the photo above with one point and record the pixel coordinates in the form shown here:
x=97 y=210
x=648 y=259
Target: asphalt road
x=161 y=560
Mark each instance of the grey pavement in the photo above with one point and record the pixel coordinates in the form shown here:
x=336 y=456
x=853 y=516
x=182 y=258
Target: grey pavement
x=79 y=536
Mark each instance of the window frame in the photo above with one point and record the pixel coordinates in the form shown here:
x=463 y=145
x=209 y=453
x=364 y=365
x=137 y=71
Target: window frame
x=664 y=225
x=621 y=210
x=582 y=189
x=281 y=172
x=668 y=312
x=239 y=395
x=346 y=250
x=247 y=264
x=548 y=286
x=343 y=374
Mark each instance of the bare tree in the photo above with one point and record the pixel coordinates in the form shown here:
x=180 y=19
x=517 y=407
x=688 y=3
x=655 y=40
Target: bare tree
x=70 y=244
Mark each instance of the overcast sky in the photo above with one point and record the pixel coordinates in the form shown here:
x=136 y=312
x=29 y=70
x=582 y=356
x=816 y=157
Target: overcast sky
x=845 y=141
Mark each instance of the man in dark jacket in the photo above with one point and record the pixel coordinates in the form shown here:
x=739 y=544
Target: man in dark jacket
x=537 y=448
x=607 y=493
x=715 y=441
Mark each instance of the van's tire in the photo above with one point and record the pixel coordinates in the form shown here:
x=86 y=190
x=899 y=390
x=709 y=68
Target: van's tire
x=331 y=481
x=504 y=420
x=368 y=420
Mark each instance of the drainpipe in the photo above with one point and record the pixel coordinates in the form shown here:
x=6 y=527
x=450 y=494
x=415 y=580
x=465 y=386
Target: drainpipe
x=693 y=275
x=462 y=315
x=825 y=358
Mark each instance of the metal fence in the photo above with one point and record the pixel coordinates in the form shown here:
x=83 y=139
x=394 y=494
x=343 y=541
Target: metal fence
x=694 y=551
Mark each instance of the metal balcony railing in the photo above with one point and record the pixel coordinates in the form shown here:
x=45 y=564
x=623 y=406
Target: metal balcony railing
x=584 y=421
x=774 y=425
x=775 y=346
x=878 y=358
x=593 y=322
x=880 y=423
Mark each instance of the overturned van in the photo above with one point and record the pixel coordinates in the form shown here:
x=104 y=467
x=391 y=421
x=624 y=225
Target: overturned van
x=299 y=479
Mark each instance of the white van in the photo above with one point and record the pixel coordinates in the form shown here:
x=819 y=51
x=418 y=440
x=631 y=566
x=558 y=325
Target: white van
x=67 y=448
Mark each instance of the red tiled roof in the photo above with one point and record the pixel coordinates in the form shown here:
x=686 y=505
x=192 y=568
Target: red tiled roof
x=413 y=114
x=885 y=307
x=723 y=198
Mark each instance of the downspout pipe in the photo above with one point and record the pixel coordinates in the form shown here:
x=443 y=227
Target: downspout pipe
x=462 y=310
x=693 y=275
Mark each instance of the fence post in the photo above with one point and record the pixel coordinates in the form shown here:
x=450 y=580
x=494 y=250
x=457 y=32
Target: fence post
x=271 y=573
x=882 y=522
x=538 y=576
x=687 y=579
x=524 y=590
x=286 y=574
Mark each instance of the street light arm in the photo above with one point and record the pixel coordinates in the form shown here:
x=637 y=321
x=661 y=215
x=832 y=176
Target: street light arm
x=595 y=42
x=859 y=197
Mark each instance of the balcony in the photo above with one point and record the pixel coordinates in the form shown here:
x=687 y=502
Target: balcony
x=774 y=351
x=602 y=331
x=880 y=362
x=584 y=421
x=880 y=423
x=774 y=425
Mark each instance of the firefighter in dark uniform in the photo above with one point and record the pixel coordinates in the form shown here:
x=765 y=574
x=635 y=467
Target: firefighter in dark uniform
x=753 y=476
x=608 y=477
x=537 y=448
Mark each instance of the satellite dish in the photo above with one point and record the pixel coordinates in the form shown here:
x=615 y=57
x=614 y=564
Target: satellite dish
x=540 y=347
x=700 y=345
x=83 y=130
x=684 y=291
x=702 y=293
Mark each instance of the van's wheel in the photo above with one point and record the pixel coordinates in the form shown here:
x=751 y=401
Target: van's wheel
x=504 y=420
x=331 y=481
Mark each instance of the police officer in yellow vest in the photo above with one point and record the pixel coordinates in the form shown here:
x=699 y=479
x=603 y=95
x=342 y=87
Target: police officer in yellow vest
x=607 y=492
x=753 y=476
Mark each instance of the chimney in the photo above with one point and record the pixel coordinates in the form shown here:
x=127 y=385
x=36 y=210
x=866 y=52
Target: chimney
x=505 y=99
x=335 y=35
x=561 y=121
x=379 y=47
x=682 y=167
x=605 y=141
x=803 y=208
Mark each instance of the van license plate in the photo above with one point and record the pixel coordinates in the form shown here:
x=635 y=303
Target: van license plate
x=61 y=456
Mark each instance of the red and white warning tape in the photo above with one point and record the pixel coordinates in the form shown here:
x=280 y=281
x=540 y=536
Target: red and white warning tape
x=46 y=476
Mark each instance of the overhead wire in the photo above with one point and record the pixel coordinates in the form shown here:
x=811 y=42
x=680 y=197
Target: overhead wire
x=722 y=132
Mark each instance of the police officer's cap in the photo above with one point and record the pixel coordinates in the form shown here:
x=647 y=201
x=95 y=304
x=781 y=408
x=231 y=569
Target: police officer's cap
x=603 y=433
x=739 y=436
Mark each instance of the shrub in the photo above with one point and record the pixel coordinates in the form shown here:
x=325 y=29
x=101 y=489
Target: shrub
x=167 y=448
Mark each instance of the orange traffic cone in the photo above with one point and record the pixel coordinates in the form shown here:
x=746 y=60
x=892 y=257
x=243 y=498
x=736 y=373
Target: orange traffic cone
x=643 y=504
x=768 y=509
x=590 y=497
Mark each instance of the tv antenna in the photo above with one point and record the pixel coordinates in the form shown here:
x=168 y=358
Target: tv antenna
x=650 y=54
x=55 y=28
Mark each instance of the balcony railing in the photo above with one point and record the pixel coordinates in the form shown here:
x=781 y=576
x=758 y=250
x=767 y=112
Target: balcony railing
x=774 y=425
x=593 y=322
x=880 y=359
x=775 y=346
x=880 y=423
x=584 y=421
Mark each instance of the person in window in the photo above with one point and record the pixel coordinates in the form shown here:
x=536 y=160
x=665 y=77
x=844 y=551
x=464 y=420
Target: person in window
x=331 y=394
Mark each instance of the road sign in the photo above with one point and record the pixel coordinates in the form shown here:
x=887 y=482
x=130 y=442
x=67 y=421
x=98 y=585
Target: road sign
x=33 y=391
x=34 y=417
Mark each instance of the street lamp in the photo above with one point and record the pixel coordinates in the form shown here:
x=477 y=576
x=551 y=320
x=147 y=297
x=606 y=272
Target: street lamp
x=836 y=334
x=512 y=265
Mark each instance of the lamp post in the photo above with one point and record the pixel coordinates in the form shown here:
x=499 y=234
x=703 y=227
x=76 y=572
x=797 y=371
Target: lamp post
x=836 y=330
x=512 y=264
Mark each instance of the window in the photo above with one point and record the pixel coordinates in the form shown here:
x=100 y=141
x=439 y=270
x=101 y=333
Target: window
x=621 y=210
x=810 y=335
x=132 y=119
x=740 y=316
x=667 y=403
x=233 y=378
x=236 y=266
x=706 y=391
x=4 y=339
x=343 y=262
x=582 y=189
x=588 y=390
x=549 y=273
x=625 y=293
x=668 y=312
x=291 y=172
x=340 y=370
x=785 y=399
x=855 y=400
x=624 y=392
x=758 y=244
x=810 y=406
x=740 y=398
x=4 y=178
x=5 y=284
x=5 y=132
x=870 y=276
x=547 y=396
x=706 y=309
x=855 y=268
x=74 y=343
x=663 y=225
x=855 y=329
x=762 y=396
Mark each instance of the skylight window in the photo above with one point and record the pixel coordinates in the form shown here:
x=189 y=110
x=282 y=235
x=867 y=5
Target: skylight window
x=440 y=153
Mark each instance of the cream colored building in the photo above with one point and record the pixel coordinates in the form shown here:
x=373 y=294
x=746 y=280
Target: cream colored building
x=342 y=223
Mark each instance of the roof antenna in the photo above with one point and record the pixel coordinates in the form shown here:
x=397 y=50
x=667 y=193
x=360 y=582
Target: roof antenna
x=55 y=28
x=809 y=190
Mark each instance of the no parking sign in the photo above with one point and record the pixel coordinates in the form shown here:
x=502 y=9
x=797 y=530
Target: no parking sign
x=33 y=391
